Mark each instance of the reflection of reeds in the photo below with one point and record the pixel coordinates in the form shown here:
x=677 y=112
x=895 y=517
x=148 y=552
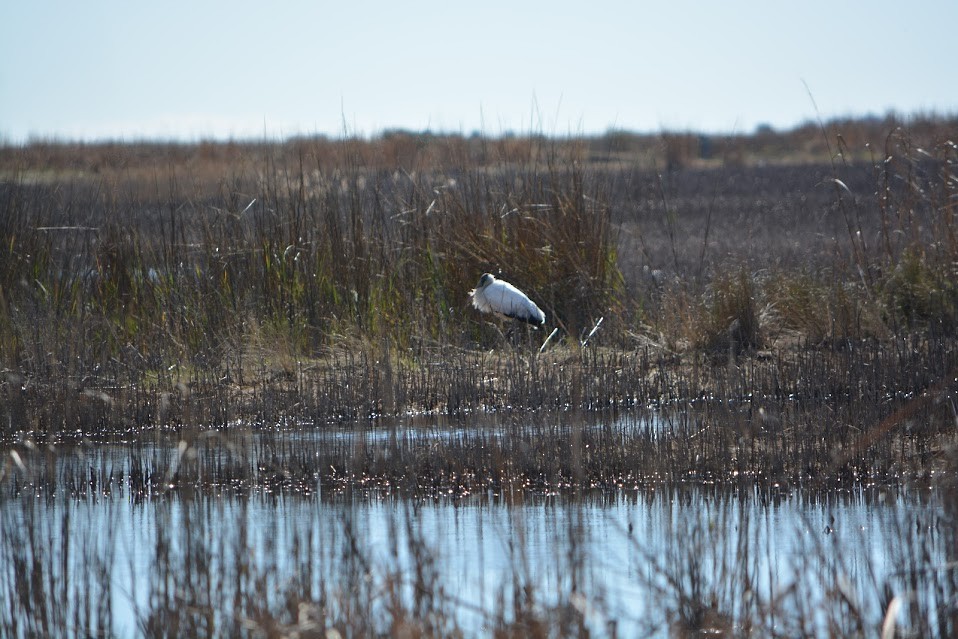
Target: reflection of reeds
x=57 y=575
x=204 y=570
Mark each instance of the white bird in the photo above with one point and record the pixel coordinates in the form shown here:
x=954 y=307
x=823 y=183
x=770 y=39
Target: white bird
x=501 y=297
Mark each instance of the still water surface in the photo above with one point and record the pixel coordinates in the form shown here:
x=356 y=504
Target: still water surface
x=629 y=558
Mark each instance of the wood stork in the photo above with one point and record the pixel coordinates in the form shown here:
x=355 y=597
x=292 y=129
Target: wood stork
x=502 y=298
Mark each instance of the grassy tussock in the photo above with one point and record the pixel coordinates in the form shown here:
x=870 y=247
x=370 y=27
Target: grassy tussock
x=721 y=322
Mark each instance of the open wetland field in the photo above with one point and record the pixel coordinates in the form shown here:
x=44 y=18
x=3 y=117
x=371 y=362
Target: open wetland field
x=243 y=391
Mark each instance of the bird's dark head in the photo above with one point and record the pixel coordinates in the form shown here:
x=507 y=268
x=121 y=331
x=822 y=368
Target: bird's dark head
x=486 y=280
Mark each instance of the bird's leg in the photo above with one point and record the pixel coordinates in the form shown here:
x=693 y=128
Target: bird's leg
x=530 y=333
x=504 y=338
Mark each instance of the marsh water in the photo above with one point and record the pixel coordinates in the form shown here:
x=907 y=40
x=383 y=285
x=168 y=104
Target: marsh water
x=631 y=560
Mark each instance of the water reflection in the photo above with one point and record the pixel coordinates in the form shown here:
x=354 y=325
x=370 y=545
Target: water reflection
x=630 y=562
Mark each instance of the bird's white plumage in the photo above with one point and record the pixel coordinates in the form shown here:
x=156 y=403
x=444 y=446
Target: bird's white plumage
x=498 y=296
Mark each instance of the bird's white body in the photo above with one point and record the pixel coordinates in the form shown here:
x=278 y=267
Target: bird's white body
x=497 y=296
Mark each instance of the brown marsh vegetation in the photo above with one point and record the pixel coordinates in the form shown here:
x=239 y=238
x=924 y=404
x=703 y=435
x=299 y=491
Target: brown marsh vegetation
x=777 y=310
x=156 y=286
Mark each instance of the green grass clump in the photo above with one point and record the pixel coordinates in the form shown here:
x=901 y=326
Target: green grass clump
x=732 y=319
x=721 y=322
x=918 y=294
x=822 y=310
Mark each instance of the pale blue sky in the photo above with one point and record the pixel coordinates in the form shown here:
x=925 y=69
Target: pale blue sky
x=191 y=70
